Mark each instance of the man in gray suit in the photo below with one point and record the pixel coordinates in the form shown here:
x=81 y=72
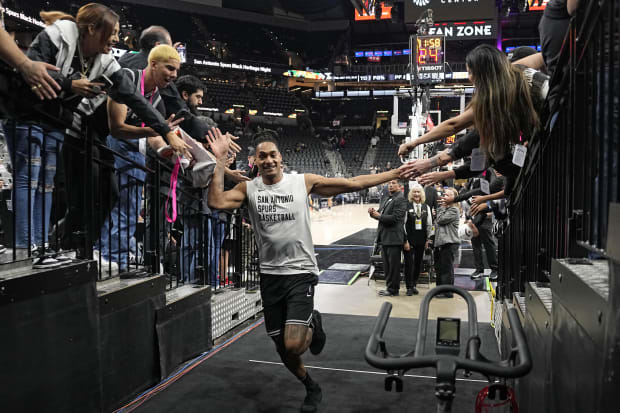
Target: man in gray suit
x=391 y=234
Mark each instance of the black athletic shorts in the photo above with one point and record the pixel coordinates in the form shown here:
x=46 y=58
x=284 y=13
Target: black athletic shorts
x=287 y=299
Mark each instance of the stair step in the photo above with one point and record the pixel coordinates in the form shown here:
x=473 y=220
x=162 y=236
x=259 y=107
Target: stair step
x=581 y=287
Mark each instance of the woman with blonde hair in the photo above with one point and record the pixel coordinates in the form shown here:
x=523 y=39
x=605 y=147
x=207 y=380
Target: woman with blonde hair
x=447 y=241
x=418 y=233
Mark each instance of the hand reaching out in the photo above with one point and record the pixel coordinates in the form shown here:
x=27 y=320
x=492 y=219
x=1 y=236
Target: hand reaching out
x=406 y=148
x=218 y=143
x=177 y=143
x=35 y=74
x=413 y=169
x=429 y=178
x=478 y=199
x=172 y=123
x=234 y=147
x=477 y=208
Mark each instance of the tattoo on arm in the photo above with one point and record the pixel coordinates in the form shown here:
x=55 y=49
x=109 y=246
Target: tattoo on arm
x=434 y=161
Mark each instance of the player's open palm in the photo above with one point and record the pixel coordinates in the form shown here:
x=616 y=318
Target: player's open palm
x=218 y=143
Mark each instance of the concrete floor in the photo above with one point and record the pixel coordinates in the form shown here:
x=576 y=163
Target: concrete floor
x=362 y=299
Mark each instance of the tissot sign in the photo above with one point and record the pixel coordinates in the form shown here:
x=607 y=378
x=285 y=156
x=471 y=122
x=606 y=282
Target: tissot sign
x=450 y=10
x=465 y=30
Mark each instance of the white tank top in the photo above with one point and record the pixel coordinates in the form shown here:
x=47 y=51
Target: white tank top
x=280 y=217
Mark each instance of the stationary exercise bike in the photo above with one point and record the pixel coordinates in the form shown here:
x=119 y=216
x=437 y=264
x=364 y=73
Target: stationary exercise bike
x=446 y=359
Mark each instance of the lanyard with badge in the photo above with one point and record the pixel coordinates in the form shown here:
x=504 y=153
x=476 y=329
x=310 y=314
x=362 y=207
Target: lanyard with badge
x=172 y=190
x=142 y=91
x=418 y=218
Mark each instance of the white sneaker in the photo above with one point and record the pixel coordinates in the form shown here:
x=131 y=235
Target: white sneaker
x=46 y=262
x=106 y=266
x=62 y=257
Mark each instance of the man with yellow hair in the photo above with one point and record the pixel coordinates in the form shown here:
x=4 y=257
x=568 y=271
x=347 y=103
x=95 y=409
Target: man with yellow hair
x=128 y=137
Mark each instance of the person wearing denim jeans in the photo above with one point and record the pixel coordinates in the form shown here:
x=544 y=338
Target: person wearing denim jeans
x=216 y=234
x=33 y=151
x=120 y=226
x=191 y=247
x=127 y=134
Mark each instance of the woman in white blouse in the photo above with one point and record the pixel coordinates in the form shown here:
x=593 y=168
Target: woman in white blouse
x=418 y=230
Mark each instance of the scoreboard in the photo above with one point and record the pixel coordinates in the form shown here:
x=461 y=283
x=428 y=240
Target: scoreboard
x=430 y=58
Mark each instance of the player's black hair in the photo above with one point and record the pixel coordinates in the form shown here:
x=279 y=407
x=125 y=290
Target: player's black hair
x=266 y=135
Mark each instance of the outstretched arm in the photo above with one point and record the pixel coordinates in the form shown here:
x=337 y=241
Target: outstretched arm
x=534 y=61
x=417 y=167
x=218 y=198
x=481 y=199
x=443 y=130
x=321 y=185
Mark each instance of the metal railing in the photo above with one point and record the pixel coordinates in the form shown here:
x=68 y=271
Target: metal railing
x=559 y=206
x=105 y=199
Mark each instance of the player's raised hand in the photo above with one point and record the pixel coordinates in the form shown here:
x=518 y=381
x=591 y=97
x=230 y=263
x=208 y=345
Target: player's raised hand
x=218 y=143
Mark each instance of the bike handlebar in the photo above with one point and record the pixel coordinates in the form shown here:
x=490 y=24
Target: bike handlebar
x=473 y=361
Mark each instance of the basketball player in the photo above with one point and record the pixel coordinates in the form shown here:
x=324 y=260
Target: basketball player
x=278 y=208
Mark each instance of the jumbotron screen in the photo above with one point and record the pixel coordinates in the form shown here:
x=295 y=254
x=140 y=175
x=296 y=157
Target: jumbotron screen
x=386 y=13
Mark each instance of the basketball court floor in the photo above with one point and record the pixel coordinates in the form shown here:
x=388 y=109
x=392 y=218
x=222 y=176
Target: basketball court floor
x=244 y=374
x=331 y=225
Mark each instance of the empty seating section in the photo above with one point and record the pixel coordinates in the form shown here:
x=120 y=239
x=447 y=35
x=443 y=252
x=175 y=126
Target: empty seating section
x=355 y=149
x=276 y=100
x=353 y=112
x=302 y=153
x=225 y=95
x=387 y=152
x=271 y=100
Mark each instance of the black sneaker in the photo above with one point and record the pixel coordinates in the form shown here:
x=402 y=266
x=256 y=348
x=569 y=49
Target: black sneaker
x=409 y=291
x=476 y=275
x=2 y=249
x=314 y=396
x=318 y=335
x=388 y=293
x=46 y=262
x=493 y=276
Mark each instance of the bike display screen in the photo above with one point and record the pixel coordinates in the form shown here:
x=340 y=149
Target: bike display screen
x=448 y=332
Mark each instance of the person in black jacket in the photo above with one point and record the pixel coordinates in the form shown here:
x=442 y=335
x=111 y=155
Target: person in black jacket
x=192 y=91
x=418 y=230
x=391 y=234
x=79 y=46
x=483 y=222
x=173 y=101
